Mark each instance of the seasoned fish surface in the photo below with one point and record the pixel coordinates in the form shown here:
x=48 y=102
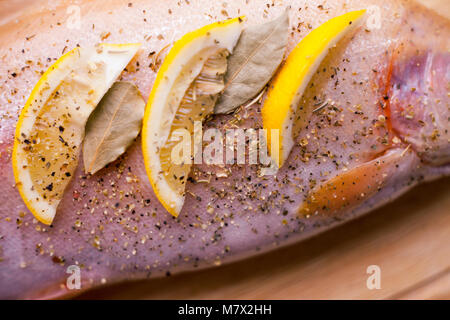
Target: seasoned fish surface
x=384 y=130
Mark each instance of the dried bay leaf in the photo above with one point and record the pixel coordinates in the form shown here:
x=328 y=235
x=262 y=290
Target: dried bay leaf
x=112 y=126
x=254 y=61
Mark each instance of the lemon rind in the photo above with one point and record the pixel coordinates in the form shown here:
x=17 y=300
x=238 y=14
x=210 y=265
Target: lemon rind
x=291 y=81
x=182 y=51
x=43 y=211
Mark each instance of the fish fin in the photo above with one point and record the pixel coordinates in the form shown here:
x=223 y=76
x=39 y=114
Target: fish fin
x=350 y=188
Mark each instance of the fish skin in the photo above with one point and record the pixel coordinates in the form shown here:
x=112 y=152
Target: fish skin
x=138 y=239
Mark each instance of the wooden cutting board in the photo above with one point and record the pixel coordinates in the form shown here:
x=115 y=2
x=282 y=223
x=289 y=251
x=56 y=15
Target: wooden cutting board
x=409 y=240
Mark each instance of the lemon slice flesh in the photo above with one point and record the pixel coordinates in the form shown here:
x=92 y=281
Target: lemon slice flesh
x=51 y=125
x=280 y=110
x=185 y=91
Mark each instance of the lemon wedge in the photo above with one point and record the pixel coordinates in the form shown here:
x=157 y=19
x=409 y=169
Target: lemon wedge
x=185 y=90
x=280 y=107
x=51 y=125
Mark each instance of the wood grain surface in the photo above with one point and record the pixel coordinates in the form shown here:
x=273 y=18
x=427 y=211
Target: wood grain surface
x=408 y=239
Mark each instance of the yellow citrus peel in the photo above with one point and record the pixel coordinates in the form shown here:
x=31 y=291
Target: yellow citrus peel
x=185 y=90
x=280 y=110
x=50 y=128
